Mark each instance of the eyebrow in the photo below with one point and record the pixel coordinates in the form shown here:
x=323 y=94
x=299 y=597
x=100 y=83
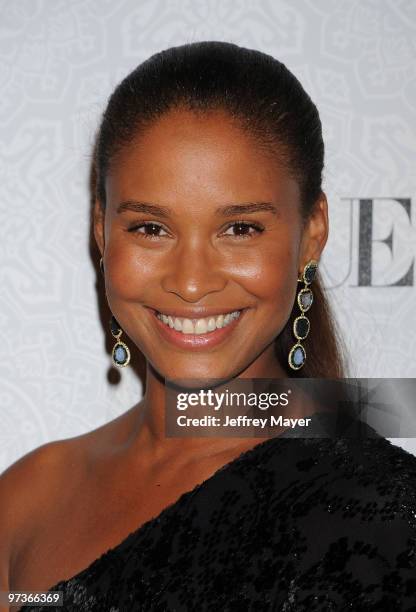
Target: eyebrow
x=225 y=211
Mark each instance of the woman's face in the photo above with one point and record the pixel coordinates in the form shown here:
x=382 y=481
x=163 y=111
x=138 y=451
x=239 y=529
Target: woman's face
x=192 y=259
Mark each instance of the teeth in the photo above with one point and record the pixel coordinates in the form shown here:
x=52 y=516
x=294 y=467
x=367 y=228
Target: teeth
x=187 y=326
x=211 y=324
x=198 y=326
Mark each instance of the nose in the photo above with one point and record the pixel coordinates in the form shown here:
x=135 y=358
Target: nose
x=193 y=271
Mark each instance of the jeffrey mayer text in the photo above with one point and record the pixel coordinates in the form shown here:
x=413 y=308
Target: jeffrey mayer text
x=240 y=421
x=279 y=421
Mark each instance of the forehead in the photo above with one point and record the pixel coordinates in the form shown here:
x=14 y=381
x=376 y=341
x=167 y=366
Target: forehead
x=189 y=156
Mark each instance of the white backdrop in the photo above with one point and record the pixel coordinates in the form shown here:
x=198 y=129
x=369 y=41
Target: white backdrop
x=59 y=62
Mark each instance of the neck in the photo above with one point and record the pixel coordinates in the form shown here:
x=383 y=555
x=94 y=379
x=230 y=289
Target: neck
x=150 y=424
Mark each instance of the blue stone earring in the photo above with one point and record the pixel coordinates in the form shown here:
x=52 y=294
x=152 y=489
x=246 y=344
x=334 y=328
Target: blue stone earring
x=121 y=352
x=301 y=324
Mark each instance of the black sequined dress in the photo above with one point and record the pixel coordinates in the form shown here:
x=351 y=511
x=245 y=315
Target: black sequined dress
x=293 y=524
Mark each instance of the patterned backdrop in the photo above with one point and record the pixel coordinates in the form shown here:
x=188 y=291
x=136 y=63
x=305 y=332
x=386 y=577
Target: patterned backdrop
x=60 y=60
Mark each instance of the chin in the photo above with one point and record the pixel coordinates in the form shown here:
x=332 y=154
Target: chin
x=196 y=377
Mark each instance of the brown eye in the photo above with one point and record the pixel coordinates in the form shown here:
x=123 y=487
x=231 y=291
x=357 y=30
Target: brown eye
x=151 y=230
x=242 y=229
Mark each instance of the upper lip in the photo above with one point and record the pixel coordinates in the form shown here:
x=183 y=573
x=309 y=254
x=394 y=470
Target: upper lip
x=200 y=313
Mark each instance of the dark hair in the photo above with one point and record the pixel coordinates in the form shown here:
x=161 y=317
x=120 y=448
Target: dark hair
x=270 y=104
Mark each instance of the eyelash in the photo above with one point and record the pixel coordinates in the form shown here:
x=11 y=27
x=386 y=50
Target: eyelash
x=259 y=229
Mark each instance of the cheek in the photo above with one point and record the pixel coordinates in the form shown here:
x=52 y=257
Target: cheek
x=270 y=274
x=128 y=271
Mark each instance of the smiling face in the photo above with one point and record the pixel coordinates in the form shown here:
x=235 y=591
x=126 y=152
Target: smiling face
x=174 y=241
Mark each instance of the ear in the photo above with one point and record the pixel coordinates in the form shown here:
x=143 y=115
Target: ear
x=315 y=233
x=98 y=221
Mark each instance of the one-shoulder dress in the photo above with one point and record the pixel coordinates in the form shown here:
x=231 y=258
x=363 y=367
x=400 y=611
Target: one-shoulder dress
x=293 y=524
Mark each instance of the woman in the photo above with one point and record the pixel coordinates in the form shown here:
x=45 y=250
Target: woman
x=208 y=212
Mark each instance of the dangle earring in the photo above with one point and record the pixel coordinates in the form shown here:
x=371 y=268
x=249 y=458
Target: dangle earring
x=121 y=352
x=301 y=325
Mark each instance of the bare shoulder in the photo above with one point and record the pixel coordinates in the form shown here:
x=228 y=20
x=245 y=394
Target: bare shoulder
x=34 y=483
x=30 y=468
x=26 y=480
x=34 y=474
x=21 y=487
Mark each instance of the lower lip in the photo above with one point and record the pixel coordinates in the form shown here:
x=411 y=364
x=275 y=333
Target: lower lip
x=196 y=340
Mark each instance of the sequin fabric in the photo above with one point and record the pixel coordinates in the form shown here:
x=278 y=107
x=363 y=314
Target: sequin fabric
x=293 y=524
